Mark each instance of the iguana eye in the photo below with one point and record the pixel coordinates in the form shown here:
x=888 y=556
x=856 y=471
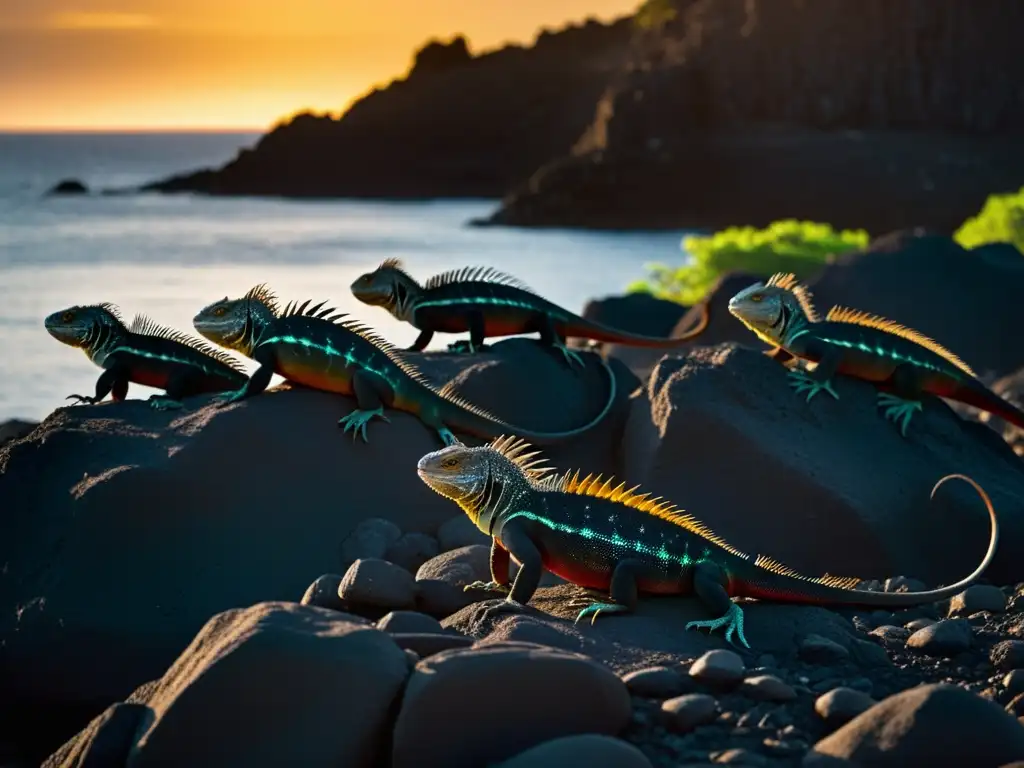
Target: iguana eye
x=219 y=311
x=450 y=463
x=67 y=317
x=756 y=297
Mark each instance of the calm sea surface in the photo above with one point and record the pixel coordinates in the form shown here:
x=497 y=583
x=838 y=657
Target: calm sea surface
x=169 y=256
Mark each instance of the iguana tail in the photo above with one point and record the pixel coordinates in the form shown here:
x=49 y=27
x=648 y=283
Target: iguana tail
x=588 y=329
x=976 y=394
x=781 y=584
x=463 y=416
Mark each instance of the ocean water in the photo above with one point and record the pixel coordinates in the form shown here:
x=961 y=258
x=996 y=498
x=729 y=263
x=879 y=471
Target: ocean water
x=168 y=256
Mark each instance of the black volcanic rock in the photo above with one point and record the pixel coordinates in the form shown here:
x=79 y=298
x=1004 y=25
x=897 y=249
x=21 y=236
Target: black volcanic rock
x=68 y=187
x=746 y=112
x=456 y=125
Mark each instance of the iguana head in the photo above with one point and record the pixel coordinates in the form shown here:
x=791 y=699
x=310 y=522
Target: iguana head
x=484 y=481
x=84 y=326
x=773 y=309
x=460 y=473
x=238 y=323
x=388 y=286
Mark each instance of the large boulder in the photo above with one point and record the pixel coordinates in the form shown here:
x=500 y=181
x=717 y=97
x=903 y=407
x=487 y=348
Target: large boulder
x=123 y=529
x=967 y=300
x=826 y=486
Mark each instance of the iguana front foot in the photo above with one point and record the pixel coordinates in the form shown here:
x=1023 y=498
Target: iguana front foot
x=508 y=605
x=571 y=356
x=898 y=410
x=228 y=398
x=447 y=437
x=82 y=399
x=487 y=586
x=595 y=609
x=163 y=403
x=804 y=382
x=732 y=621
x=466 y=346
x=358 y=419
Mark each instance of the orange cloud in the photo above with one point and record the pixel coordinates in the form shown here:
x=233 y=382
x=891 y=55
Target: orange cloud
x=101 y=20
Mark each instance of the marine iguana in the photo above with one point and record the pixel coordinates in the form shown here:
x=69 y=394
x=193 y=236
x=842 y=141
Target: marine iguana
x=601 y=535
x=325 y=349
x=486 y=302
x=901 y=362
x=143 y=353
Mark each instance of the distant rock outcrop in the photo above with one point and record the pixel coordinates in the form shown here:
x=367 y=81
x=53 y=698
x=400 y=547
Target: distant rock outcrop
x=456 y=125
x=68 y=187
x=746 y=112
x=733 y=112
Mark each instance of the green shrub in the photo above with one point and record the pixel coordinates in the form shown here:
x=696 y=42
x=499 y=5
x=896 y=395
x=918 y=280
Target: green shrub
x=1001 y=220
x=654 y=14
x=794 y=246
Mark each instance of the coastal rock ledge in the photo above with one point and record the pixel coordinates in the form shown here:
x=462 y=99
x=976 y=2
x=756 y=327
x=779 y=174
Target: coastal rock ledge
x=124 y=530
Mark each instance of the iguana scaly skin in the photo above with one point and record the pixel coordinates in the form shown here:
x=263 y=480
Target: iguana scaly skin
x=143 y=353
x=603 y=536
x=485 y=303
x=902 y=363
x=323 y=349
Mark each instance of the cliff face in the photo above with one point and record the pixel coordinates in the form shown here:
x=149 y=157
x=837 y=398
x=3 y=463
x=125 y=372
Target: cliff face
x=456 y=126
x=863 y=113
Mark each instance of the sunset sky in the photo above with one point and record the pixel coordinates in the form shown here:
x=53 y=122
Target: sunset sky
x=232 y=63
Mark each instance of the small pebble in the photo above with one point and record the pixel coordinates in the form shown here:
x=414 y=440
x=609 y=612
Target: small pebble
x=980 y=597
x=948 y=638
x=840 y=705
x=917 y=624
x=737 y=756
x=1014 y=682
x=767 y=688
x=412 y=550
x=903 y=584
x=409 y=621
x=820 y=650
x=1007 y=655
x=718 y=667
x=684 y=713
x=323 y=593
x=655 y=682
x=378 y=583
x=889 y=634
x=1016 y=706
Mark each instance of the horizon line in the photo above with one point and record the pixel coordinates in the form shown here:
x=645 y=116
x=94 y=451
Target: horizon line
x=41 y=129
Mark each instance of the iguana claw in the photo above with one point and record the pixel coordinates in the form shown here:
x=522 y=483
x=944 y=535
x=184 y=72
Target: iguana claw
x=508 y=605
x=466 y=346
x=79 y=399
x=732 y=621
x=487 y=586
x=161 y=403
x=804 y=382
x=595 y=609
x=571 y=356
x=230 y=397
x=358 y=419
x=898 y=410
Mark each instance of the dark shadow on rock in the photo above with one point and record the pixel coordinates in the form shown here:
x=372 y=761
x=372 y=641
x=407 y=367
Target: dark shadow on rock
x=827 y=486
x=123 y=529
x=654 y=635
x=967 y=300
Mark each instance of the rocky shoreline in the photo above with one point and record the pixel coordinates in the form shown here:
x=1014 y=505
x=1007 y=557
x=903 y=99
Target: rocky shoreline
x=733 y=113
x=246 y=585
